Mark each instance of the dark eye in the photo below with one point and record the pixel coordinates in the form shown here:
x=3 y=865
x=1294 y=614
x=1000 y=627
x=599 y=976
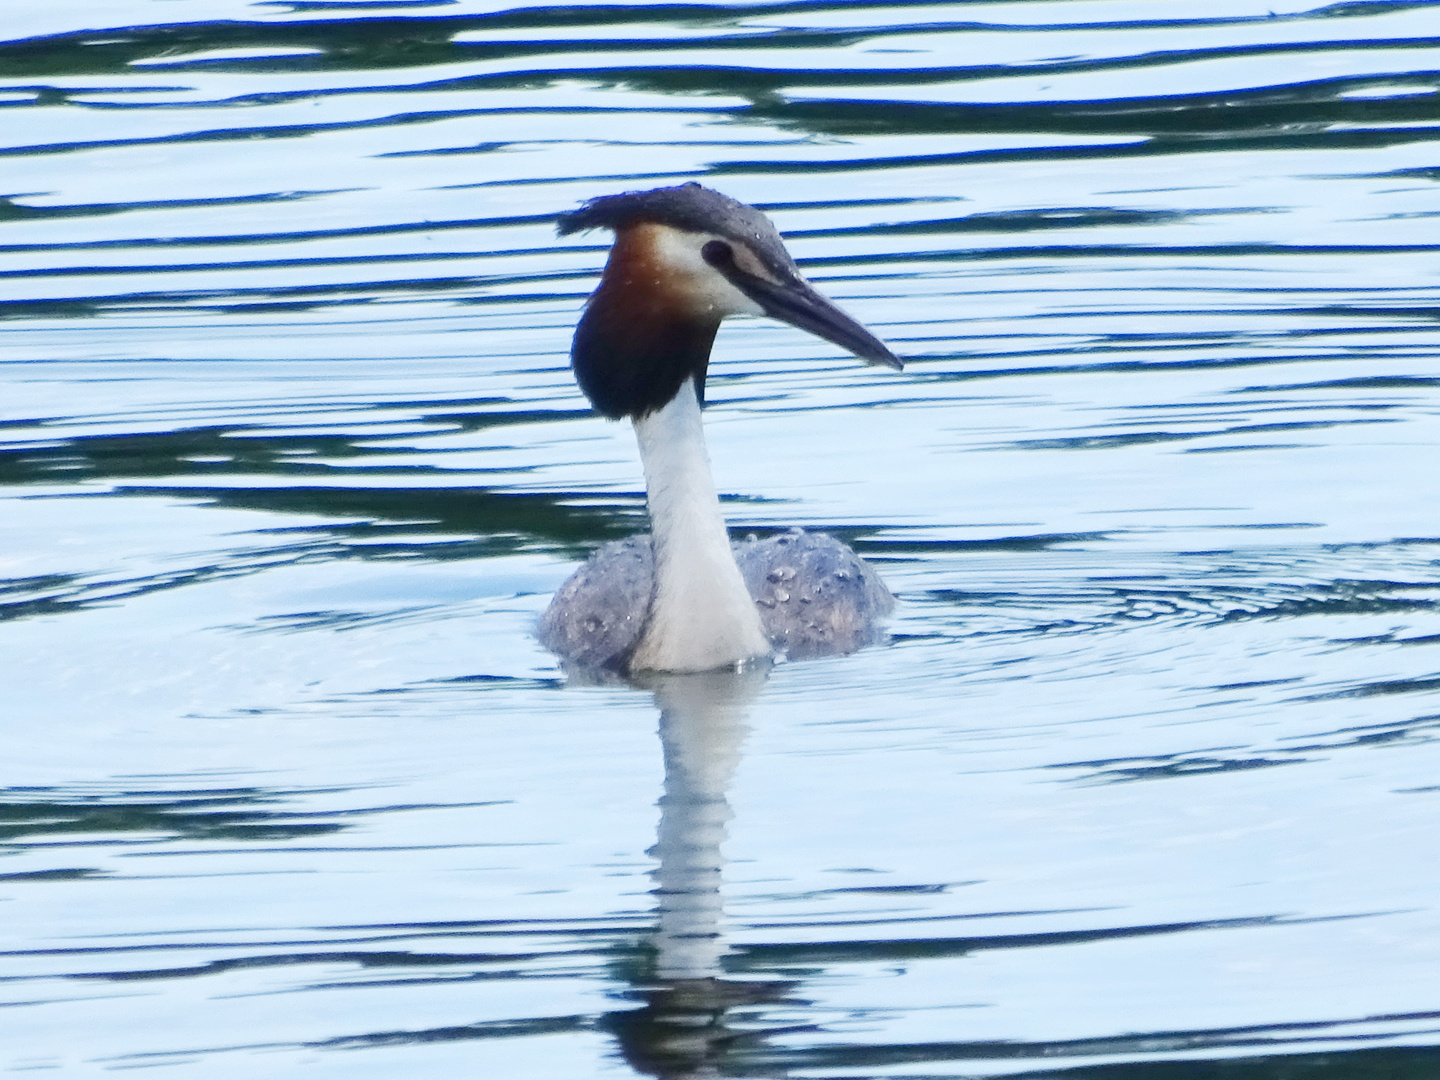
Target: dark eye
x=718 y=254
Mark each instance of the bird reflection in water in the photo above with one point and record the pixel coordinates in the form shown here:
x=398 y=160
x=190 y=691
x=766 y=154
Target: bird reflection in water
x=688 y=1028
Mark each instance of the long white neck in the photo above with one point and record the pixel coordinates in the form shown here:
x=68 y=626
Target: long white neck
x=701 y=615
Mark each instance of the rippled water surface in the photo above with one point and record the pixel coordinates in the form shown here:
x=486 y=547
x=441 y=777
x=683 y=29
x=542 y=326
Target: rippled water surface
x=1146 y=782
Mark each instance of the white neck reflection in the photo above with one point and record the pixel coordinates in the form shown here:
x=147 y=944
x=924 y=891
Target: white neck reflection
x=703 y=724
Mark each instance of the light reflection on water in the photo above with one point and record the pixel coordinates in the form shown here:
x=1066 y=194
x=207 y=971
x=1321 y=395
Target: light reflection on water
x=292 y=461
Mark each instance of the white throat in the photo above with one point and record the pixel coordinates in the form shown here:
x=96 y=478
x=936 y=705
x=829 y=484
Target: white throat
x=701 y=615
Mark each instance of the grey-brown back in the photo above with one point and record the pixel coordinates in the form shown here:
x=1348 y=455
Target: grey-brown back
x=816 y=597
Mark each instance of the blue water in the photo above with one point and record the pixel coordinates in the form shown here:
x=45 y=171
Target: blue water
x=1143 y=785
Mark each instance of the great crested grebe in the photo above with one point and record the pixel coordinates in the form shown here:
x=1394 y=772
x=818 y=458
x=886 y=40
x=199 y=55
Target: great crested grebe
x=682 y=599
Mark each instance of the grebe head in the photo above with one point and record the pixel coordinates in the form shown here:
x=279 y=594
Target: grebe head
x=684 y=258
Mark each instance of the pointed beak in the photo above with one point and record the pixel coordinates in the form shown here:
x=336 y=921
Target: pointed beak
x=798 y=304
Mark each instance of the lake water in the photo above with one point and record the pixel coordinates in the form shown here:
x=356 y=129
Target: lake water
x=1145 y=784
